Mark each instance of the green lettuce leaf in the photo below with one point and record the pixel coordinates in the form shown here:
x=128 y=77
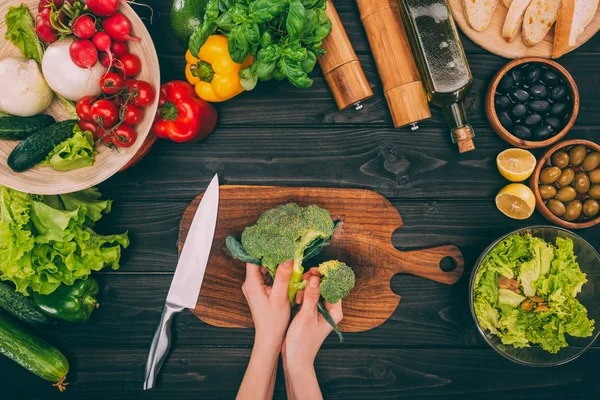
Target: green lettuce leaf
x=20 y=30
x=48 y=240
x=76 y=152
x=509 y=297
x=538 y=266
x=487 y=315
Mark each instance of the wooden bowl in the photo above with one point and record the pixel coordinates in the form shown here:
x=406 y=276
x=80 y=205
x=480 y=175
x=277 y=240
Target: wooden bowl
x=490 y=108
x=534 y=182
x=44 y=180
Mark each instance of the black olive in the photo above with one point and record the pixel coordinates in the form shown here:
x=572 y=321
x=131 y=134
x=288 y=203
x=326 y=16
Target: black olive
x=559 y=109
x=516 y=75
x=505 y=84
x=539 y=106
x=521 y=132
x=555 y=123
x=539 y=91
x=502 y=102
x=518 y=95
x=532 y=74
x=558 y=93
x=533 y=120
x=543 y=132
x=518 y=111
x=550 y=77
x=505 y=120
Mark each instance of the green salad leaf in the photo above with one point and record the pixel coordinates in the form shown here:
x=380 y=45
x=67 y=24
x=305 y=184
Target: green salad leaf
x=544 y=307
x=20 y=30
x=76 y=152
x=49 y=240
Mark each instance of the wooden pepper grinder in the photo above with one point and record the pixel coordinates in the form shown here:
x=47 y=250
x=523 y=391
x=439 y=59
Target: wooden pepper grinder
x=341 y=67
x=395 y=63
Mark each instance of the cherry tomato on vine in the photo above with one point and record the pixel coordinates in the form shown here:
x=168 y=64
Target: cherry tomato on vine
x=83 y=108
x=132 y=115
x=104 y=113
x=88 y=126
x=143 y=93
x=111 y=83
x=130 y=64
x=124 y=136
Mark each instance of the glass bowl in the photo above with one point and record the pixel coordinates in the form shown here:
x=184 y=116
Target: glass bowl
x=589 y=262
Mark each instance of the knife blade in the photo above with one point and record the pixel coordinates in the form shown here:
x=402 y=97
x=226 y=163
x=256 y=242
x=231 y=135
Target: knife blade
x=187 y=281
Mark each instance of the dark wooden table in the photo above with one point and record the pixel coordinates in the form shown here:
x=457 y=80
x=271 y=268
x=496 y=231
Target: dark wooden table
x=279 y=135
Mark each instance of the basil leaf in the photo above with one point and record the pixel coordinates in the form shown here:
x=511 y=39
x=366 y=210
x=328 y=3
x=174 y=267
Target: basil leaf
x=294 y=52
x=277 y=74
x=321 y=4
x=270 y=53
x=224 y=22
x=263 y=11
x=294 y=73
x=266 y=38
x=252 y=34
x=212 y=11
x=238 y=44
x=238 y=14
x=309 y=63
x=249 y=76
x=295 y=19
x=225 y=5
x=199 y=37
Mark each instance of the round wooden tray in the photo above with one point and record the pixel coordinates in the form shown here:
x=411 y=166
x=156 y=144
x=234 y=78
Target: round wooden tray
x=490 y=108
x=534 y=182
x=44 y=180
x=492 y=41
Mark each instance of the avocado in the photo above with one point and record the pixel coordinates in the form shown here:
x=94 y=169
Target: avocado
x=186 y=16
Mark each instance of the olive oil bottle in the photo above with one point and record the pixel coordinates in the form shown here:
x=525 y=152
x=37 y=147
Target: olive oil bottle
x=442 y=63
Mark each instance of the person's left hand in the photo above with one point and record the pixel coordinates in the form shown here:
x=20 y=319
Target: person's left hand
x=269 y=305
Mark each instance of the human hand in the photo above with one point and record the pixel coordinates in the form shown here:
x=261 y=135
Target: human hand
x=308 y=329
x=269 y=305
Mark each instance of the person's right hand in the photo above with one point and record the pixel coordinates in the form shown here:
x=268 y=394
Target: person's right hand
x=308 y=329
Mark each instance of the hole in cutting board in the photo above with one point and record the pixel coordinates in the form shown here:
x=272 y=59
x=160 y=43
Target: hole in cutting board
x=448 y=264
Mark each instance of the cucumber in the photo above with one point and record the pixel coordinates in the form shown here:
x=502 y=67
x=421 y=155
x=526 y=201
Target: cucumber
x=186 y=16
x=22 y=307
x=36 y=147
x=18 y=128
x=32 y=353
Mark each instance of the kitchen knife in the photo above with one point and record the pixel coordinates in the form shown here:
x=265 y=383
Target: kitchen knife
x=187 y=281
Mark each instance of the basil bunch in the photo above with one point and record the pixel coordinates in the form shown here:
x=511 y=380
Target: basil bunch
x=284 y=36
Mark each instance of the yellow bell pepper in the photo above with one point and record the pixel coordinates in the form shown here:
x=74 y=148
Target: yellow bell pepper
x=215 y=76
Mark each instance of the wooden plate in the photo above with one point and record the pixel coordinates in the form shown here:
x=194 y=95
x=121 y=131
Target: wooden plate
x=492 y=41
x=44 y=180
x=534 y=182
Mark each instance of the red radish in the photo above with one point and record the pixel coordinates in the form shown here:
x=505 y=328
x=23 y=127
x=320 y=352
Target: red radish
x=103 y=8
x=48 y=3
x=83 y=53
x=106 y=60
x=118 y=27
x=131 y=65
x=119 y=48
x=44 y=16
x=102 y=41
x=84 y=27
x=45 y=34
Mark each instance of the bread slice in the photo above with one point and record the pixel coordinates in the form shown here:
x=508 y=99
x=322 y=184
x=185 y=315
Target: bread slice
x=479 y=12
x=514 y=19
x=539 y=18
x=573 y=17
x=507 y=3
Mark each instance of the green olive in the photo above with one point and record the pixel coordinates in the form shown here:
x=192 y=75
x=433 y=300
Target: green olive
x=566 y=177
x=577 y=155
x=591 y=161
x=556 y=207
x=591 y=207
x=594 y=192
x=547 y=192
x=582 y=182
x=573 y=210
x=595 y=176
x=560 y=159
x=550 y=175
x=566 y=194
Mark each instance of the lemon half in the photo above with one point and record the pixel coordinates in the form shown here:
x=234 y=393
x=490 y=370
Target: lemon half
x=516 y=165
x=516 y=201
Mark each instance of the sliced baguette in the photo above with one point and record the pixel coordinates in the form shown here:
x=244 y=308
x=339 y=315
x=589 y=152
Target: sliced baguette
x=573 y=17
x=479 y=12
x=539 y=18
x=507 y=3
x=514 y=19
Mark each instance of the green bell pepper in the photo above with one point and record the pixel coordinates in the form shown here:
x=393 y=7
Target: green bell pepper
x=73 y=303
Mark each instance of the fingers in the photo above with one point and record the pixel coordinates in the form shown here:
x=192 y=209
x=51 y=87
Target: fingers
x=311 y=297
x=335 y=310
x=282 y=280
x=299 y=296
x=253 y=279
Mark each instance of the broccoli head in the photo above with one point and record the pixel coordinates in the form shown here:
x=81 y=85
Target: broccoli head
x=337 y=280
x=285 y=233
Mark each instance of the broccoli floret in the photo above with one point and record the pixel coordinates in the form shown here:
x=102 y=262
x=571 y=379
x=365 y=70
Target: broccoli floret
x=337 y=280
x=285 y=233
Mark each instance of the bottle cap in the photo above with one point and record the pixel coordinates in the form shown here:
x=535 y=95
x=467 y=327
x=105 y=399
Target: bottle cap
x=463 y=137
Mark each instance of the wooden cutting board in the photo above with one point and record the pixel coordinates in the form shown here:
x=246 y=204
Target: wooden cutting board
x=492 y=41
x=362 y=240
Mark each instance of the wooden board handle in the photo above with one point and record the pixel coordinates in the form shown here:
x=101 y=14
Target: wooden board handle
x=444 y=264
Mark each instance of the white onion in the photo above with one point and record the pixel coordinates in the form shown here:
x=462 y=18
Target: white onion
x=66 y=78
x=23 y=90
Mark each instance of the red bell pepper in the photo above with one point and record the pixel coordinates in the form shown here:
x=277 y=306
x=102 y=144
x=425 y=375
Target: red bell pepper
x=182 y=116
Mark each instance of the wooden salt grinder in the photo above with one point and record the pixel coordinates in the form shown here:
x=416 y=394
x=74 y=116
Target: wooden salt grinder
x=395 y=63
x=341 y=67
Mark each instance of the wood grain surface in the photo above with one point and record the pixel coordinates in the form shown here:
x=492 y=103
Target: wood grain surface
x=362 y=240
x=108 y=161
x=491 y=38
